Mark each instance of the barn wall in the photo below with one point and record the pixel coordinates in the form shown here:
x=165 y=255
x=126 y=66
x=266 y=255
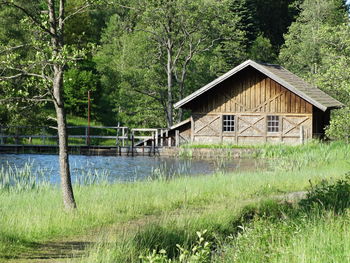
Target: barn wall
x=250 y=91
x=251 y=96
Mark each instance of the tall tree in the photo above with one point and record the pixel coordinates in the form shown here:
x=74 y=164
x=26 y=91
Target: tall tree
x=45 y=20
x=172 y=35
x=301 y=51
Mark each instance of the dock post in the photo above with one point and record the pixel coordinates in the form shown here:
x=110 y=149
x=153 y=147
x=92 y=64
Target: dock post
x=168 y=138
x=161 y=137
x=177 y=138
x=155 y=137
x=123 y=135
x=132 y=144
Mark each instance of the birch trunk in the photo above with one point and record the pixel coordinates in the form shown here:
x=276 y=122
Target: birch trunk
x=66 y=184
x=170 y=85
x=57 y=42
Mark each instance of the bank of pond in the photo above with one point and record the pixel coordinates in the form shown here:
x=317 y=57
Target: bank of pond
x=240 y=216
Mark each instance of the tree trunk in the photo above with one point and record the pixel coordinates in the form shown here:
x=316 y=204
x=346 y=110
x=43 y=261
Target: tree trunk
x=57 y=41
x=170 y=86
x=66 y=185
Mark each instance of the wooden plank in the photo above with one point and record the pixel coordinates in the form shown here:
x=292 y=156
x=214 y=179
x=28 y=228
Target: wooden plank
x=268 y=93
x=220 y=134
x=247 y=96
x=258 y=93
x=297 y=104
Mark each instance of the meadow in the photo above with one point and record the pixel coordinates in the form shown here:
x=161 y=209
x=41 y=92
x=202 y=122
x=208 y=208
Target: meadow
x=241 y=217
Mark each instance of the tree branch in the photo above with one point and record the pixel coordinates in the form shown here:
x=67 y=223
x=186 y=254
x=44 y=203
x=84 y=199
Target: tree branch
x=78 y=10
x=28 y=14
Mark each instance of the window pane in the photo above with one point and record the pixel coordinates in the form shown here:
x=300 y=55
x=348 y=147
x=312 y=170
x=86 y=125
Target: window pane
x=272 y=123
x=228 y=123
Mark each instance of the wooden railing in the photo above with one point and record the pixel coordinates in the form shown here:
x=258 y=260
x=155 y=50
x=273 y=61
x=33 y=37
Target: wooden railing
x=88 y=136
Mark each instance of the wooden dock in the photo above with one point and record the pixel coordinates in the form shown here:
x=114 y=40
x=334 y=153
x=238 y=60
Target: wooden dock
x=94 y=140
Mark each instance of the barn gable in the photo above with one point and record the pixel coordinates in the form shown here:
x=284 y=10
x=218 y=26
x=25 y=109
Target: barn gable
x=249 y=91
x=276 y=73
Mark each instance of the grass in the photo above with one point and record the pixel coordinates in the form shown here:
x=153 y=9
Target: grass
x=162 y=213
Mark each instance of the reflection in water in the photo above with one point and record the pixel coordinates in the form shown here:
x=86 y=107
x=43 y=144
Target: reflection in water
x=122 y=168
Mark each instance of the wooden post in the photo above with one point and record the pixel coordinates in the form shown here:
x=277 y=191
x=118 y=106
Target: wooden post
x=132 y=144
x=89 y=113
x=237 y=129
x=192 y=129
x=117 y=143
x=221 y=128
x=155 y=138
x=169 y=138
x=161 y=137
x=177 y=138
x=123 y=135
x=302 y=134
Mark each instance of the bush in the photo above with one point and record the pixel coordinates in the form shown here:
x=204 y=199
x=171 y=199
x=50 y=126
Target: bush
x=339 y=127
x=334 y=197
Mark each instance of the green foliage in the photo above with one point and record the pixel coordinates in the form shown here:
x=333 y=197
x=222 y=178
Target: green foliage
x=77 y=83
x=330 y=196
x=198 y=253
x=262 y=50
x=190 y=35
x=339 y=127
x=155 y=257
x=273 y=17
x=301 y=51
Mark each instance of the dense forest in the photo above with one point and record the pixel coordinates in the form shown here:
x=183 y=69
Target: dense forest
x=139 y=57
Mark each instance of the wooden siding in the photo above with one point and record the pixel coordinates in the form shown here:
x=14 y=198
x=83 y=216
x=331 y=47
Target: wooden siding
x=251 y=97
x=251 y=128
x=253 y=92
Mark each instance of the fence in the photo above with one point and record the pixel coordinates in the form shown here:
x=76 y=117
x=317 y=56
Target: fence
x=114 y=136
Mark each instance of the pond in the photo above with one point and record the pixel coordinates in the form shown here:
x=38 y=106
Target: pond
x=122 y=168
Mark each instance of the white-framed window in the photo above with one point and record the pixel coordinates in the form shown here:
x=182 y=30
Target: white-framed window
x=228 y=123
x=273 y=123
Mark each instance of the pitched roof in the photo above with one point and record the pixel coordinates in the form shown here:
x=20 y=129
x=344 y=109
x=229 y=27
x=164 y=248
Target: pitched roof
x=287 y=79
x=177 y=125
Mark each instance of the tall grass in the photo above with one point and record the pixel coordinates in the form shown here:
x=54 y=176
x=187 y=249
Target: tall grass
x=21 y=179
x=177 y=208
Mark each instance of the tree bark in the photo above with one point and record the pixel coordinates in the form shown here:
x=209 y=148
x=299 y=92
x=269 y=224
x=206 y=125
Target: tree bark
x=66 y=184
x=57 y=41
x=170 y=85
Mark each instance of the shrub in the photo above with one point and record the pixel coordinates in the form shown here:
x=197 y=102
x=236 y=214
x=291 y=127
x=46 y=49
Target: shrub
x=334 y=197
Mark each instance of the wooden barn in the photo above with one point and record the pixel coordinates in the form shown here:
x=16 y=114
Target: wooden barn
x=256 y=103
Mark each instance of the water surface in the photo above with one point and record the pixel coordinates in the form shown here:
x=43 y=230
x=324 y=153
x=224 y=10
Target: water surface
x=123 y=168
